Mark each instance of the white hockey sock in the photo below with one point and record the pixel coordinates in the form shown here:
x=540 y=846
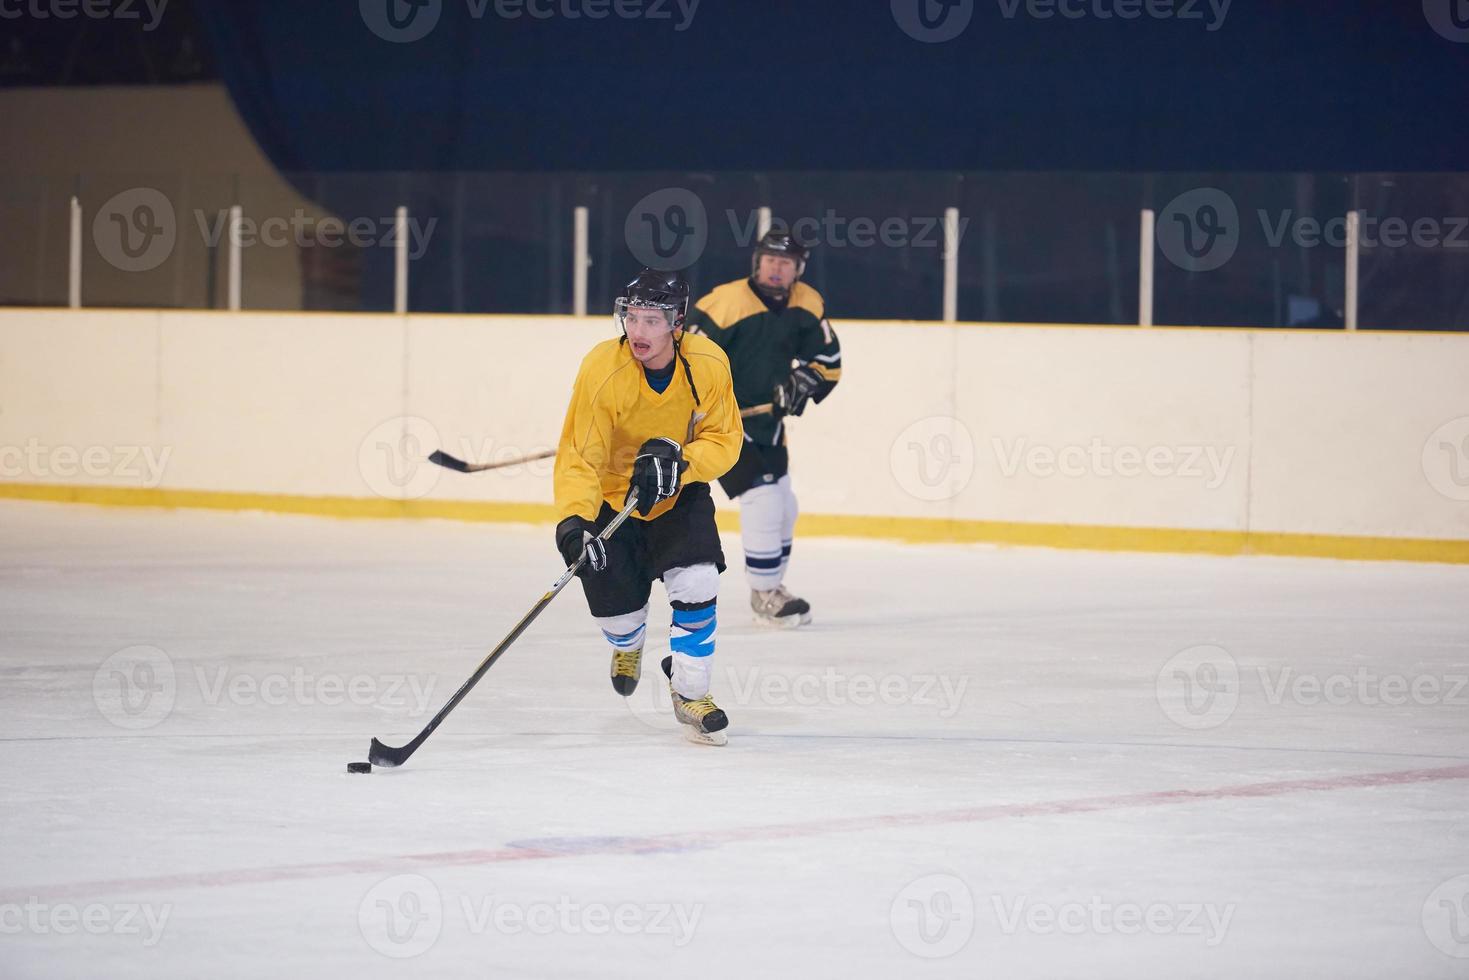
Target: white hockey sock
x=762 y=530
x=625 y=632
x=692 y=591
x=788 y=524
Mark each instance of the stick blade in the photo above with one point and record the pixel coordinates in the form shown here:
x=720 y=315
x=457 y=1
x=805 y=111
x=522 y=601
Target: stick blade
x=386 y=756
x=444 y=459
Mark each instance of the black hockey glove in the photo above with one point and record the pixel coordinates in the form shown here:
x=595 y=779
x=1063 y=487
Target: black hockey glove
x=576 y=534
x=656 y=472
x=792 y=394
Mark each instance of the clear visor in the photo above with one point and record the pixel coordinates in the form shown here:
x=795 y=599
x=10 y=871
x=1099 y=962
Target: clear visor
x=641 y=316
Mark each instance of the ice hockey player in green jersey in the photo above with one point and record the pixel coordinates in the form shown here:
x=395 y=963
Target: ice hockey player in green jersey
x=784 y=355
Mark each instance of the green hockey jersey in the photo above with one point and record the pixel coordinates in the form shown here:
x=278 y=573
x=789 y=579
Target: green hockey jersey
x=764 y=340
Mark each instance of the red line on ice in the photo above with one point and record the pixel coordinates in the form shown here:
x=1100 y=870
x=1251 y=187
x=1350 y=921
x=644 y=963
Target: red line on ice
x=407 y=863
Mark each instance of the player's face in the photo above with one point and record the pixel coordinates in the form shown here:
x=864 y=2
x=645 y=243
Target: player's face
x=776 y=271
x=649 y=336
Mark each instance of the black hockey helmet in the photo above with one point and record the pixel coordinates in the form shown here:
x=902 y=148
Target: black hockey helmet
x=780 y=243
x=658 y=290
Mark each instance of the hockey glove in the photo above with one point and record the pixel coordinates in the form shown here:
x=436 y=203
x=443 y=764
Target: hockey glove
x=577 y=534
x=656 y=472
x=792 y=394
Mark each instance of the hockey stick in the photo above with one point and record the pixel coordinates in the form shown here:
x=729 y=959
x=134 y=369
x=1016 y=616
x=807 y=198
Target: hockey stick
x=388 y=756
x=460 y=466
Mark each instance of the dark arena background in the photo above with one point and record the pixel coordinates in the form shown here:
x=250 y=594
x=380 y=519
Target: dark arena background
x=1066 y=546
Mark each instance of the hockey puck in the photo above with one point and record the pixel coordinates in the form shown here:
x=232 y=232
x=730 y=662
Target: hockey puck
x=359 y=767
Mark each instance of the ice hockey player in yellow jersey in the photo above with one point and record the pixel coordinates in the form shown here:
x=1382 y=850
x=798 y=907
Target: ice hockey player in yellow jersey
x=652 y=410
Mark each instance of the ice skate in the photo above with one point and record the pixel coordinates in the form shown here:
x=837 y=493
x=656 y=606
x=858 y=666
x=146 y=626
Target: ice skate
x=779 y=609
x=627 y=667
x=703 y=721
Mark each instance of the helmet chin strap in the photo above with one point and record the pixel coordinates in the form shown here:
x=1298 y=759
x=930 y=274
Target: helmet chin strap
x=679 y=355
x=771 y=291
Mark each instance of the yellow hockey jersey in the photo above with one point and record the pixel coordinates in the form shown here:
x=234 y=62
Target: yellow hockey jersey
x=614 y=411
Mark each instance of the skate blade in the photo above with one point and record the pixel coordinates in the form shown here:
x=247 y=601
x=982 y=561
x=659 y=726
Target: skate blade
x=704 y=738
x=783 y=622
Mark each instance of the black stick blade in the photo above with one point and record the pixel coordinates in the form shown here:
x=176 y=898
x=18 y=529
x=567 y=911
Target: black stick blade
x=388 y=757
x=444 y=459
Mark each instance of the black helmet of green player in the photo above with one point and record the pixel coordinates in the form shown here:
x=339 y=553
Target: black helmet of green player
x=782 y=244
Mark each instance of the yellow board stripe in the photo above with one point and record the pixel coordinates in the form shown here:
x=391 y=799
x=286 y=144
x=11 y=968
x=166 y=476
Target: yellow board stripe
x=351 y=507
x=914 y=529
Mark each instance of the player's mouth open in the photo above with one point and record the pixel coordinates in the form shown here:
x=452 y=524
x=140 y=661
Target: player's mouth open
x=641 y=346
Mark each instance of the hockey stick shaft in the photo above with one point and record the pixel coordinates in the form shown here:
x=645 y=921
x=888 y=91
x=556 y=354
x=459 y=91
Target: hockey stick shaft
x=454 y=463
x=389 y=756
x=460 y=466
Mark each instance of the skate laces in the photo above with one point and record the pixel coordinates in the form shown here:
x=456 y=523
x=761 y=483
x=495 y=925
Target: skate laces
x=698 y=708
x=770 y=599
x=626 y=662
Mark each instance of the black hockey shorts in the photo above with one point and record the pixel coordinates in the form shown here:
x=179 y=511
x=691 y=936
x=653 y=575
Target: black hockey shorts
x=757 y=466
x=640 y=551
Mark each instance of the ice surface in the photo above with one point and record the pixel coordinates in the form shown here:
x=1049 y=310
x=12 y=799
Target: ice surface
x=970 y=765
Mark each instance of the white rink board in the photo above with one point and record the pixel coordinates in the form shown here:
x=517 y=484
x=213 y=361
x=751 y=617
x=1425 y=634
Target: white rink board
x=1025 y=392
x=492 y=389
x=76 y=381
x=269 y=404
x=1344 y=434
x=1216 y=430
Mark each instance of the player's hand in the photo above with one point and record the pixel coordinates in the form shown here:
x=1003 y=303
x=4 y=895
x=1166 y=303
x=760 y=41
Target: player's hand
x=656 y=473
x=792 y=394
x=577 y=534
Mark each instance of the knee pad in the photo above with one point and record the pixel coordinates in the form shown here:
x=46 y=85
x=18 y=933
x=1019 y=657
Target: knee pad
x=692 y=585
